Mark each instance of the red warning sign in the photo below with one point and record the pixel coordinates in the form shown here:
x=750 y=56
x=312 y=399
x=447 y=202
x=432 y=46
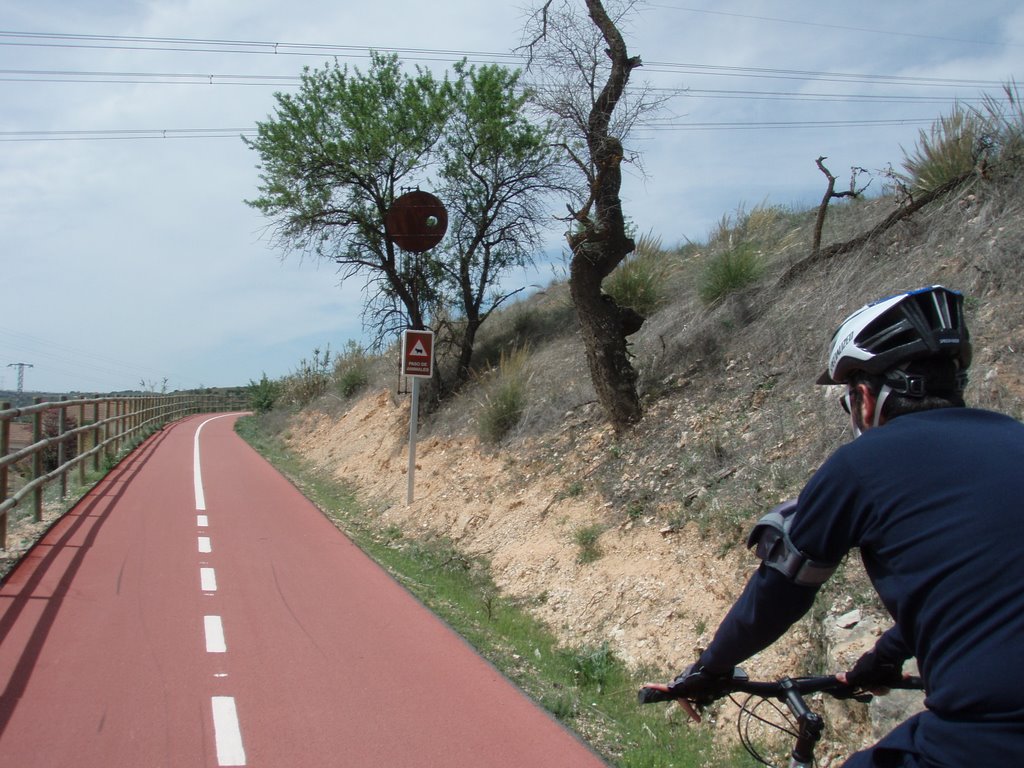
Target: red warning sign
x=418 y=353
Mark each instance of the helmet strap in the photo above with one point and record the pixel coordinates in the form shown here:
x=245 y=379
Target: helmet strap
x=883 y=395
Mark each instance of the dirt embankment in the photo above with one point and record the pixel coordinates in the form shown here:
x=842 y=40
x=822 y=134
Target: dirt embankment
x=654 y=595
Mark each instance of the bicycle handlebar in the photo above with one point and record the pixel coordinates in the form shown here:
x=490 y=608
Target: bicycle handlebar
x=781 y=689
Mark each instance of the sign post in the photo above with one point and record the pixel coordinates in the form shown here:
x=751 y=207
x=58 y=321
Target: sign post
x=417 y=363
x=416 y=221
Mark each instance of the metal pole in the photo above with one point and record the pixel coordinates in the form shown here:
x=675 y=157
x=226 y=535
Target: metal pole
x=414 y=410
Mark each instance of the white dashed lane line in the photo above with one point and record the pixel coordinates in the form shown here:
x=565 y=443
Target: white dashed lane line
x=207 y=580
x=214 y=635
x=227 y=732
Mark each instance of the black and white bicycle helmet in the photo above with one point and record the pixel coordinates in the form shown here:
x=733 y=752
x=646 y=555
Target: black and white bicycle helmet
x=887 y=333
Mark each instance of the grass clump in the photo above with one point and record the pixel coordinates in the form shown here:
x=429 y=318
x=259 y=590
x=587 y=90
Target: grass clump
x=587 y=539
x=351 y=370
x=730 y=272
x=595 y=667
x=503 y=405
x=952 y=147
x=639 y=281
x=968 y=139
x=310 y=380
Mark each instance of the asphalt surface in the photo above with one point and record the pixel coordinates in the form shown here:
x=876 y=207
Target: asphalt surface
x=196 y=610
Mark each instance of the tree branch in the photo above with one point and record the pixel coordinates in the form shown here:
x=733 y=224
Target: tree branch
x=901 y=213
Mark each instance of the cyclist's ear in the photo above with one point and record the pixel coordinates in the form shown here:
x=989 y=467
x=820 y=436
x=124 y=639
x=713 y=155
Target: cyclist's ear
x=863 y=402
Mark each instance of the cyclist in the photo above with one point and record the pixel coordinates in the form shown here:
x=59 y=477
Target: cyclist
x=932 y=493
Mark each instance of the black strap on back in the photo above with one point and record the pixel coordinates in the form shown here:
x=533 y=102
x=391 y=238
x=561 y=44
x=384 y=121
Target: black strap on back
x=771 y=537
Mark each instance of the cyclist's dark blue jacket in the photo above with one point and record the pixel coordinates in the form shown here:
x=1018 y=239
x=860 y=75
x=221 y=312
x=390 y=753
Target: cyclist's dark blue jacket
x=935 y=502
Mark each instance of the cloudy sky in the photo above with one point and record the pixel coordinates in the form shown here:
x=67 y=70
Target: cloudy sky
x=130 y=258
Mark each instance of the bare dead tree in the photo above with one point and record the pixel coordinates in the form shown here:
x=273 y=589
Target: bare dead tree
x=830 y=194
x=904 y=211
x=581 y=67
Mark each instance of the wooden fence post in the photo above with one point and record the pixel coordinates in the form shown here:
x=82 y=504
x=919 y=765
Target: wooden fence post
x=96 y=435
x=62 y=451
x=5 y=446
x=37 y=462
x=80 y=443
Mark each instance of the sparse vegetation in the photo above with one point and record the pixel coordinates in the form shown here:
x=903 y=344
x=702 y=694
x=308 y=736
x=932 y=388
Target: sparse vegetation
x=587 y=539
x=733 y=425
x=595 y=667
x=351 y=370
x=968 y=139
x=952 y=147
x=310 y=380
x=1005 y=124
x=263 y=394
x=639 y=281
x=729 y=272
x=503 y=405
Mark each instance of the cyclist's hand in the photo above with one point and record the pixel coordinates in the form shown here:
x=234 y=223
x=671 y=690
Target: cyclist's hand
x=646 y=696
x=873 y=674
x=698 y=688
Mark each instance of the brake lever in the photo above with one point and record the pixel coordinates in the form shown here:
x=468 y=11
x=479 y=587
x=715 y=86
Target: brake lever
x=856 y=694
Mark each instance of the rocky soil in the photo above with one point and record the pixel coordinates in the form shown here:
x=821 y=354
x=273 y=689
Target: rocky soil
x=656 y=592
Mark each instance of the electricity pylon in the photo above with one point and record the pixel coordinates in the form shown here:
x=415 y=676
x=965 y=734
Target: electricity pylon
x=21 y=374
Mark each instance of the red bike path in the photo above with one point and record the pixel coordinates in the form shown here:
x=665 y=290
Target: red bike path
x=166 y=621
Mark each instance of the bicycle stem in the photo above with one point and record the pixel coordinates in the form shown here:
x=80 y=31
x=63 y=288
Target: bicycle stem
x=809 y=726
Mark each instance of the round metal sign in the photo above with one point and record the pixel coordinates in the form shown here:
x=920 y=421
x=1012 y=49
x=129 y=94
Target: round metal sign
x=416 y=221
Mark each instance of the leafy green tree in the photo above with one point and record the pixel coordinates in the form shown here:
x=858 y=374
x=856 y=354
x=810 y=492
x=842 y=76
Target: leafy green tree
x=334 y=156
x=497 y=170
x=263 y=394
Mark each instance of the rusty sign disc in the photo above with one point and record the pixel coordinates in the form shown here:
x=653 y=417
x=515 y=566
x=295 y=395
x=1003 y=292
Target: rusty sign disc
x=416 y=221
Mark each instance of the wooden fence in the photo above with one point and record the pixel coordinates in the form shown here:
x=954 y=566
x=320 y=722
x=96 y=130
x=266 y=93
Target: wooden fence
x=67 y=435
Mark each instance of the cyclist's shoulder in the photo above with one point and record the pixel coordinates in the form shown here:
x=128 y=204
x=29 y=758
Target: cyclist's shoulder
x=953 y=418
x=938 y=429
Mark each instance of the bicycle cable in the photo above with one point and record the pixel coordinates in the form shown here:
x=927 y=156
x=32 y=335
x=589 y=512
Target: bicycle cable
x=748 y=713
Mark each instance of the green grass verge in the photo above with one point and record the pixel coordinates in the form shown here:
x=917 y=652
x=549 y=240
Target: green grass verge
x=588 y=689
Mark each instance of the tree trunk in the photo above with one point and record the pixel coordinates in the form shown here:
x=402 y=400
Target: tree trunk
x=463 y=371
x=603 y=243
x=604 y=337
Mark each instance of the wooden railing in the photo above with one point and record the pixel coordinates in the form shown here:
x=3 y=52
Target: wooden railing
x=80 y=432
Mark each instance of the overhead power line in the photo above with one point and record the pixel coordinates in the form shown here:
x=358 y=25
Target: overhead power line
x=194 y=45
x=247 y=47
x=83 y=364
x=841 y=27
x=817 y=76
x=271 y=48
x=205 y=78
x=185 y=78
x=197 y=78
x=234 y=133
x=761 y=125
x=127 y=133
